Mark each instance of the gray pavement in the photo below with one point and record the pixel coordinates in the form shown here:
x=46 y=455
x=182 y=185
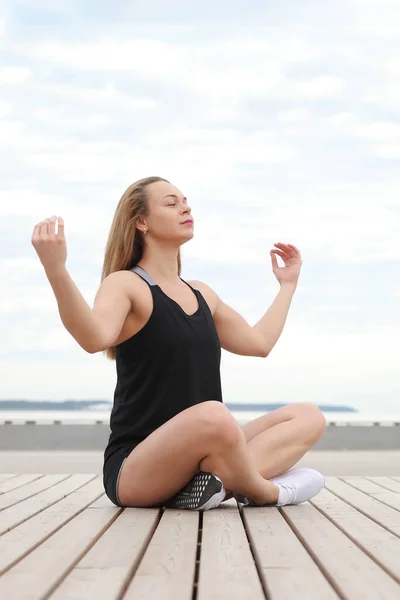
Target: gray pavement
x=95 y=437
x=339 y=463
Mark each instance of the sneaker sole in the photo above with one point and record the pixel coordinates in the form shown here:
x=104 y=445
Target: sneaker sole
x=198 y=494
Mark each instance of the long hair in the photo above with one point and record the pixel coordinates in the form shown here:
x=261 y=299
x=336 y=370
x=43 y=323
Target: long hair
x=125 y=243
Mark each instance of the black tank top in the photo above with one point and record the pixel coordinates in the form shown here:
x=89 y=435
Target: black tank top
x=172 y=363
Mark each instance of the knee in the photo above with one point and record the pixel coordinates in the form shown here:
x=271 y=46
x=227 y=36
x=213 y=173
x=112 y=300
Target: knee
x=218 y=424
x=312 y=419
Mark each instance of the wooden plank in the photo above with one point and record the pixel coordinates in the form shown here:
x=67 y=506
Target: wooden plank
x=384 y=515
x=372 y=489
x=354 y=574
x=30 y=489
x=14 y=515
x=381 y=545
x=287 y=569
x=40 y=572
x=386 y=482
x=106 y=570
x=22 y=539
x=168 y=566
x=15 y=482
x=5 y=476
x=227 y=569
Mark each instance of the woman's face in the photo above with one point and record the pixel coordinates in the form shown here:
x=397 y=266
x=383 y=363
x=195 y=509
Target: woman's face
x=169 y=213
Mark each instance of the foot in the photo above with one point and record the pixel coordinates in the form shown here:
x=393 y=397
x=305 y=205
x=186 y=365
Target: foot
x=203 y=492
x=295 y=486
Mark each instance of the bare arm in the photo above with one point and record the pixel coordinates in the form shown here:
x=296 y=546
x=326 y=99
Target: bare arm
x=270 y=326
x=94 y=329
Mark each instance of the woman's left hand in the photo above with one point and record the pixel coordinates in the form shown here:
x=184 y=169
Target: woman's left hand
x=292 y=258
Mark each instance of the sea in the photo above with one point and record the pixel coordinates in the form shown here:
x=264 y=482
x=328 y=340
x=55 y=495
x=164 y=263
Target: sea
x=100 y=413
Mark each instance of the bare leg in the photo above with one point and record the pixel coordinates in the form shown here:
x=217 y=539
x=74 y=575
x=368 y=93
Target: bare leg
x=205 y=437
x=276 y=441
x=227 y=465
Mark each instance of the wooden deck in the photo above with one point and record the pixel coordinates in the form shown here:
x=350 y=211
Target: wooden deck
x=61 y=538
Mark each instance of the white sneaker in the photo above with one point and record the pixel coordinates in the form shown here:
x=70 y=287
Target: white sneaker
x=295 y=486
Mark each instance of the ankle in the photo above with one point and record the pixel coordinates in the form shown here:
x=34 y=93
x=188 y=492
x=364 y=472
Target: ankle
x=269 y=495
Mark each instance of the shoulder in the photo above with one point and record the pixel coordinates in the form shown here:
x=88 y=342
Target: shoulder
x=128 y=283
x=209 y=295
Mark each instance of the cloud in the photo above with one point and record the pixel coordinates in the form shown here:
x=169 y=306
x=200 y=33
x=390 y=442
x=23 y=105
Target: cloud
x=14 y=75
x=278 y=124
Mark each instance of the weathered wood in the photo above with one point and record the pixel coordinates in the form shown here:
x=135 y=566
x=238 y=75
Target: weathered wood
x=14 y=483
x=5 y=476
x=42 y=570
x=386 y=482
x=31 y=533
x=354 y=574
x=227 y=569
x=168 y=565
x=61 y=538
x=384 y=515
x=18 y=513
x=381 y=545
x=107 y=568
x=287 y=569
x=29 y=489
x=375 y=491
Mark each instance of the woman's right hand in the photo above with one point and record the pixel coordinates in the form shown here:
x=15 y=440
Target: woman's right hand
x=49 y=245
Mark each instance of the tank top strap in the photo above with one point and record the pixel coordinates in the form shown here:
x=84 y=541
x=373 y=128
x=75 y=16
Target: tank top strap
x=191 y=286
x=143 y=274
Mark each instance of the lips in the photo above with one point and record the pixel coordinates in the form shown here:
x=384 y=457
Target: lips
x=188 y=221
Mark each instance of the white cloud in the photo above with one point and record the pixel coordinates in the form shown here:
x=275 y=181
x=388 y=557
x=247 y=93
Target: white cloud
x=11 y=75
x=294 y=115
x=278 y=126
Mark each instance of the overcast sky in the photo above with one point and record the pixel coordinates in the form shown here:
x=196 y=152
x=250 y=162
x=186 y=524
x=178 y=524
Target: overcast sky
x=279 y=121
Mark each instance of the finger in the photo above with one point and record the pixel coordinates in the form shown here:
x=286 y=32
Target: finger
x=285 y=247
x=274 y=260
x=52 y=225
x=60 y=227
x=35 y=234
x=43 y=228
x=36 y=230
x=279 y=253
x=294 y=248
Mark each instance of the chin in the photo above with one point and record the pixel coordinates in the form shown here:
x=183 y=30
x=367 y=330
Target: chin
x=187 y=238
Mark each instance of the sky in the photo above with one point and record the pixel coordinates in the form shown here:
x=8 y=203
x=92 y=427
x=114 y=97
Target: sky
x=279 y=121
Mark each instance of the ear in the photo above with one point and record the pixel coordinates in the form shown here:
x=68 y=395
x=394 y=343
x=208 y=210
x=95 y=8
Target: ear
x=141 y=225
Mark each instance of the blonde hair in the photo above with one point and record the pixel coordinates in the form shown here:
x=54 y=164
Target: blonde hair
x=125 y=242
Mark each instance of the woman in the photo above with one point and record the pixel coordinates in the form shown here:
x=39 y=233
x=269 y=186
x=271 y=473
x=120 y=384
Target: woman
x=173 y=442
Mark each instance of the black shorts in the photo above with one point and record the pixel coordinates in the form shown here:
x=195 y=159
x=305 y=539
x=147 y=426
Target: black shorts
x=112 y=471
x=111 y=474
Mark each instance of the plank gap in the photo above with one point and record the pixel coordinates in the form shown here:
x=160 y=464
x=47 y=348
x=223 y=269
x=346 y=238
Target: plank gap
x=198 y=555
x=78 y=558
x=132 y=571
x=31 y=495
x=51 y=533
x=360 y=510
x=354 y=540
x=371 y=495
x=313 y=555
x=258 y=569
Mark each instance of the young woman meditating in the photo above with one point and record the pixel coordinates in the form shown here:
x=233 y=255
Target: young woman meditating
x=173 y=442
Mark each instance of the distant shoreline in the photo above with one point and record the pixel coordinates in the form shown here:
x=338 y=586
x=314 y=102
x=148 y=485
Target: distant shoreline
x=78 y=405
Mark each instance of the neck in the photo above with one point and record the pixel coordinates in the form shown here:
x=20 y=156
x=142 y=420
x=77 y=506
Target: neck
x=161 y=262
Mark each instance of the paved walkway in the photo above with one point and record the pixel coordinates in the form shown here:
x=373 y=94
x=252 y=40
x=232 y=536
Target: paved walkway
x=379 y=462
